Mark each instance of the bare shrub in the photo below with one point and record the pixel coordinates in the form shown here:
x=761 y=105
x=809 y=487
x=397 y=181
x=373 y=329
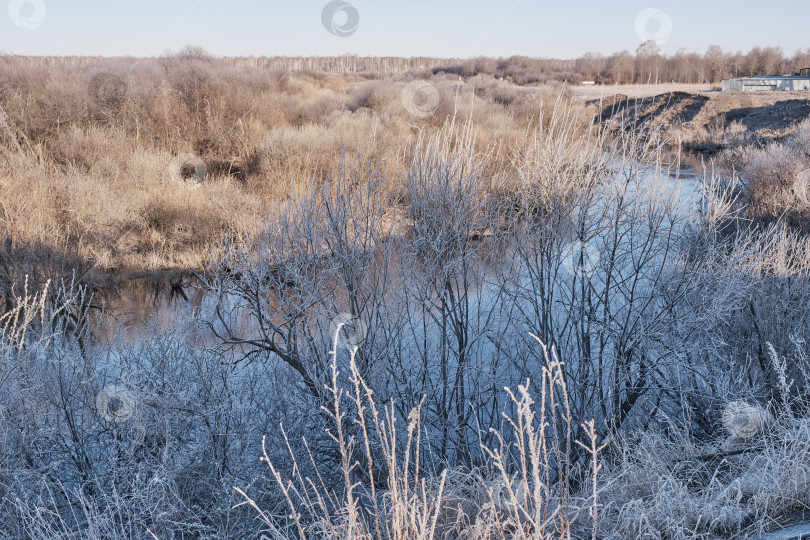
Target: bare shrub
x=776 y=178
x=770 y=177
x=155 y=466
x=374 y=95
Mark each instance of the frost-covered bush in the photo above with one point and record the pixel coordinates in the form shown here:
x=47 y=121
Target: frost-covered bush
x=121 y=441
x=672 y=488
x=777 y=177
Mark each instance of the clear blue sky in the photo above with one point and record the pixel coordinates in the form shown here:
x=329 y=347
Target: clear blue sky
x=561 y=28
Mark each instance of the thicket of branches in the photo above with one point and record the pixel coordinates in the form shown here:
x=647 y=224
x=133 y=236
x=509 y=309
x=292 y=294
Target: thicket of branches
x=498 y=321
x=362 y=336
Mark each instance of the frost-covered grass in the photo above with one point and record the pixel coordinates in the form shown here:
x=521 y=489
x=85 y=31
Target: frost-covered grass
x=447 y=417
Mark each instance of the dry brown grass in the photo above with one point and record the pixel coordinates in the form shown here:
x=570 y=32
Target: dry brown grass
x=86 y=146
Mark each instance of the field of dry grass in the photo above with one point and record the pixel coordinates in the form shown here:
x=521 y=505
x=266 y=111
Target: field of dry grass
x=87 y=147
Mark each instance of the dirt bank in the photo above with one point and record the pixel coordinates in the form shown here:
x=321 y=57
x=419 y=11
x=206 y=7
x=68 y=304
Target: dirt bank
x=707 y=122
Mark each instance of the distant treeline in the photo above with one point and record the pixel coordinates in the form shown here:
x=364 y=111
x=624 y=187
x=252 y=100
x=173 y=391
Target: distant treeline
x=646 y=65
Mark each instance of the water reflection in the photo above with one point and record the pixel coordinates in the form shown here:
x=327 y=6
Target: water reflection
x=161 y=302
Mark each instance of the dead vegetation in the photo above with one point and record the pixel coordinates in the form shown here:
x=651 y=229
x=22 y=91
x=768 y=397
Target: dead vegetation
x=88 y=144
x=453 y=239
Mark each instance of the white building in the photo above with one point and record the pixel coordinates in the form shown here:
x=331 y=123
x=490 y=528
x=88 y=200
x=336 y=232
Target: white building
x=755 y=84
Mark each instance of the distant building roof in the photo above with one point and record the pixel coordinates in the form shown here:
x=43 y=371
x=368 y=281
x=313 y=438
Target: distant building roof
x=778 y=77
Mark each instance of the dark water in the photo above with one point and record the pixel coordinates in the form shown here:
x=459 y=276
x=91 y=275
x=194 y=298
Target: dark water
x=147 y=302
